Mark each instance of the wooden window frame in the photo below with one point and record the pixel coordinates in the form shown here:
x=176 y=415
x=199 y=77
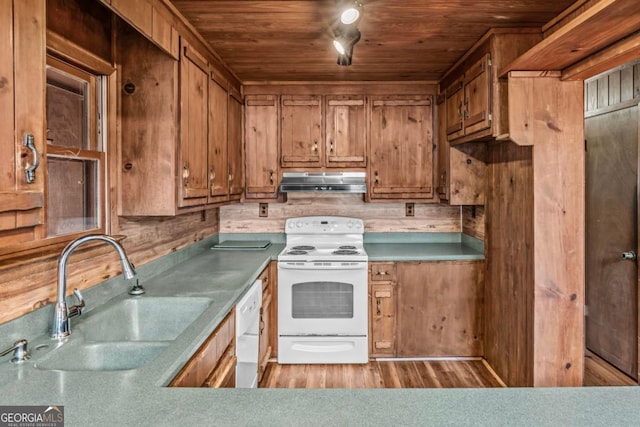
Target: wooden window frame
x=73 y=58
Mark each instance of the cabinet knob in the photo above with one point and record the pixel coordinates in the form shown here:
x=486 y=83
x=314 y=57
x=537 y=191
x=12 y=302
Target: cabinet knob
x=212 y=174
x=185 y=175
x=331 y=145
x=381 y=273
x=378 y=311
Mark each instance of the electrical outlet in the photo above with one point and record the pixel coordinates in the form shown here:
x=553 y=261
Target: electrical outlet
x=409 y=209
x=263 y=211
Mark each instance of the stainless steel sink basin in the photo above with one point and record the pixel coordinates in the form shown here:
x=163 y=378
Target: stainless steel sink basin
x=143 y=319
x=116 y=356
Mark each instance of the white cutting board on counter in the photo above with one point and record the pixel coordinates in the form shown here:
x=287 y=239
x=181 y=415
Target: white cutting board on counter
x=243 y=245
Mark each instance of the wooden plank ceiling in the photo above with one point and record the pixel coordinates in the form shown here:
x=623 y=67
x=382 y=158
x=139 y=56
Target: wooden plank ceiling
x=290 y=40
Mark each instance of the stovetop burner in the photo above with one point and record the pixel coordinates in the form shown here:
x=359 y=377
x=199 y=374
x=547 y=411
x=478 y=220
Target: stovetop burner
x=347 y=247
x=303 y=248
x=297 y=252
x=345 y=252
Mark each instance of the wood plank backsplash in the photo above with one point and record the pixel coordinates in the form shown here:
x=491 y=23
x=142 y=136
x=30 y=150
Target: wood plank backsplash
x=378 y=217
x=27 y=284
x=473 y=221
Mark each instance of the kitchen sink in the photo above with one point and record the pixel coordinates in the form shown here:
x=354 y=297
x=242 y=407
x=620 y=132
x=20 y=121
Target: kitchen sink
x=116 y=356
x=143 y=319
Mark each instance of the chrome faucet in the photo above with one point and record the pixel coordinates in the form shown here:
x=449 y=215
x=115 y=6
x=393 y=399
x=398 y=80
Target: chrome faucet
x=61 y=313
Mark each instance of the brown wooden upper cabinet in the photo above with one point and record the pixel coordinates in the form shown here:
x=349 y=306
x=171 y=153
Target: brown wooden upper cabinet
x=301 y=131
x=22 y=122
x=476 y=100
x=346 y=131
x=194 y=95
x=225 y=144
x=401 y=148
x=462 y=169
x=181 y=145
x=261 y=146
x=468 y=101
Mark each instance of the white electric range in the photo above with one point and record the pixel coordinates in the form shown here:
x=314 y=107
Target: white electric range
x=322 y=291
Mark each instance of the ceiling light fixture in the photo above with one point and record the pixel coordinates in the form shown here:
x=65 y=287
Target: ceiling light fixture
x=346 y=31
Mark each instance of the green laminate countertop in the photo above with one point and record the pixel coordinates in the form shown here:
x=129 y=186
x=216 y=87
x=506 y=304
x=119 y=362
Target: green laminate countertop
x=422 y=252
x=139 y=397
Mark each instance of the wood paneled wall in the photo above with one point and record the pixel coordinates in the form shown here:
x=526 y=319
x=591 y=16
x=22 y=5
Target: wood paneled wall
x=27 y=284
x=509 y=277
x=473 y=221
x=606 y=92
x=378 y=217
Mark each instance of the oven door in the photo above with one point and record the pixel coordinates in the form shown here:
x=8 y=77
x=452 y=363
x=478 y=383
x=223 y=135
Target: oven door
x=322 y=298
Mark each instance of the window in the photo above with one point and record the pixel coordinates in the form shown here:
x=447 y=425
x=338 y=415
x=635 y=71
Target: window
x=75 y=193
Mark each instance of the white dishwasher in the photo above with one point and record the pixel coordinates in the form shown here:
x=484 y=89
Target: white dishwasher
x=247 y=332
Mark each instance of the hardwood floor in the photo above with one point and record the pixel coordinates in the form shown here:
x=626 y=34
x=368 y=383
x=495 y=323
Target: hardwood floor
x=384 y=374
x=418 y=374
x=597 y=372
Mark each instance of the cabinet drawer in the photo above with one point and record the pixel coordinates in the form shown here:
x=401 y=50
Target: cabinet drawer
x=198 y=370
x=383 y=271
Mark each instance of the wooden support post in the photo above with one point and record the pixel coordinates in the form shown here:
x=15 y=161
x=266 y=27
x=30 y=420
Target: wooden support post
x=547 y=113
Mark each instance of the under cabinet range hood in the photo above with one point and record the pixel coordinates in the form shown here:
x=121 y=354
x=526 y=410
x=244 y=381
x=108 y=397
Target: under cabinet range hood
x=323 y=182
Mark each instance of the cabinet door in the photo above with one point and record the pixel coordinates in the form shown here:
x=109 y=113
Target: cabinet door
x=265 y=330
x=440 y=306
x=442 y=174
x=218 y=135
x=301 y=128
x=401 y=150
x=477 y=102
x=22 y=107
x=194 y=83
x=346 y=131
x=261 y=145
x=455 y=110
x=383 y=320
x=236 y=175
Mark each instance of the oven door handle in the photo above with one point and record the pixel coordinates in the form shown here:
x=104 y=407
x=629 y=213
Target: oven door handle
x=322 y=265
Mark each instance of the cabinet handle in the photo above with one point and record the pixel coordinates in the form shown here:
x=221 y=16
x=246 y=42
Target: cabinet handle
x=30 y=171
x=377 y=178
x=271 y=177
x=378 y=312
x=381 y=273
x=185 y=175
x=212 y=174
x=466 y=114
x=261 y=325
x=315 y=146
x=230 y=175
x=460 y=110
x=331 y=145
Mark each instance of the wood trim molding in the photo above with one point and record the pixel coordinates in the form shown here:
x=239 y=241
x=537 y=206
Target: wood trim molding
x=69 y=51
x=617 y=54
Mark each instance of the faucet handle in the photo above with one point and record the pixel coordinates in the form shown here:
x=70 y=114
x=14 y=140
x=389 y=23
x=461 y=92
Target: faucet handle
x=76 y=310
x=20 y=353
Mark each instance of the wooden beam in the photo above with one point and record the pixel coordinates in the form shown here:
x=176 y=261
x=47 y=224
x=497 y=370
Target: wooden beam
x=596 y=28
x=619 y=53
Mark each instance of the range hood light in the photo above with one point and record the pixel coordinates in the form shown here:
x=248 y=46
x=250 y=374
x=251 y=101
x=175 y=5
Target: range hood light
x=337 y=43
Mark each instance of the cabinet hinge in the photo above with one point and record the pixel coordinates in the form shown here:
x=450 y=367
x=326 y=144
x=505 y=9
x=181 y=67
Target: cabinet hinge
x=586 y=310
x=489 y=62
x=490 y=117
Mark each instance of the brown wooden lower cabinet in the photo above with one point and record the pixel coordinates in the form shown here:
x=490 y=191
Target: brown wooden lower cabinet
x=431 y=309
x=265 y=346
x=214 y=364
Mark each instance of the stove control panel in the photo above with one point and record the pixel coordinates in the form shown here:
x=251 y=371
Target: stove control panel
x=324 y=225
